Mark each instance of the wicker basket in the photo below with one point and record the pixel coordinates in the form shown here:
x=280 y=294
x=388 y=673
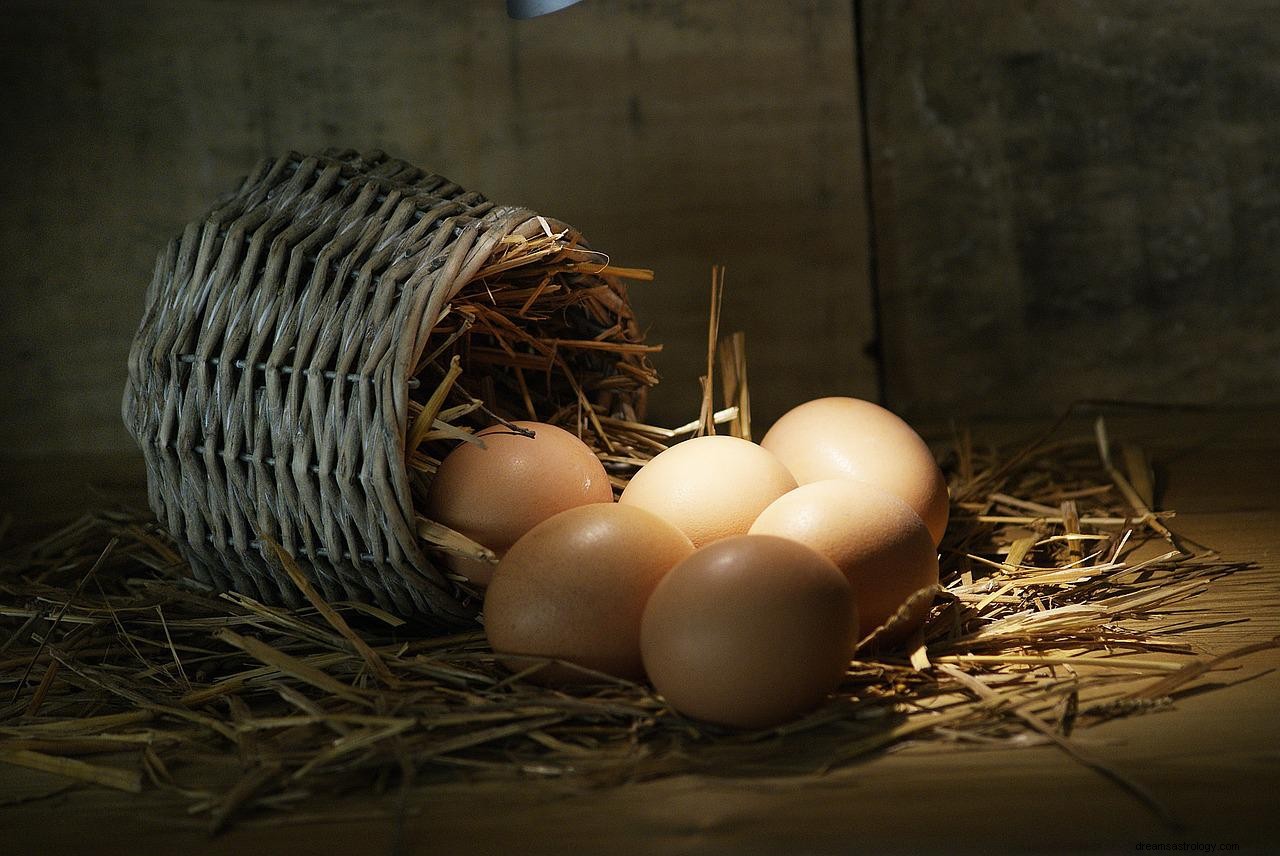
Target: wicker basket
x=270 y=378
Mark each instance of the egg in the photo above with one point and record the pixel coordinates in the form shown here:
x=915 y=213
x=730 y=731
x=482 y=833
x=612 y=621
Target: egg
x=497 y=493
x=846 y=437
x=750 y=631
x=575 y=586
x=877 y=540
x=709 y=487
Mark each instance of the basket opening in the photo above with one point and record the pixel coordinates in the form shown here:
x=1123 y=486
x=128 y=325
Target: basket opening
x=543 y=331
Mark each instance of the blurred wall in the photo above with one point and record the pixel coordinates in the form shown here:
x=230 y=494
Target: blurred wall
x=1068 y=199
x=1075 y=200
x=675 y=135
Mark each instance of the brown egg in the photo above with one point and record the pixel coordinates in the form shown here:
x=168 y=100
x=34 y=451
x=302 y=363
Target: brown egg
x=496 y=494
x=709 y=487
x=574 y=588
x=876 y=539
x=750 y=631
x=831 y=438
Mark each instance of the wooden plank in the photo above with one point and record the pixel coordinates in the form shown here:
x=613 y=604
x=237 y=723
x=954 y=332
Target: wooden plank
x=675 y=135
x=1075 y=200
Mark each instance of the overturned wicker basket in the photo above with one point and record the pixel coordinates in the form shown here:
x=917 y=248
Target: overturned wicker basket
x=309 y=348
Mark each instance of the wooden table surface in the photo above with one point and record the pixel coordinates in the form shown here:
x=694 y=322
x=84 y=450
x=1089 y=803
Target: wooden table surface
x=1213 y=759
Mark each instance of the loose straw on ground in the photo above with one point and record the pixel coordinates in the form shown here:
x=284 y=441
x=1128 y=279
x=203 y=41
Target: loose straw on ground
x=109 y=645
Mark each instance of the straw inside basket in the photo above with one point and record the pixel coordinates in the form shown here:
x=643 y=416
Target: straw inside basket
x=542 y=332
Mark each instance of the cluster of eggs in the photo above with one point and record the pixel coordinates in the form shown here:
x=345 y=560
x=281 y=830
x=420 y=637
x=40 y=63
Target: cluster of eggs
x=738 y=578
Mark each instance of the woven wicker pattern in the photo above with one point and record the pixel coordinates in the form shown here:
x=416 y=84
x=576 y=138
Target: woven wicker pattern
x=270 y=376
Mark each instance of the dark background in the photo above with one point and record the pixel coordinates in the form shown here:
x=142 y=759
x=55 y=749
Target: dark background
x=1066 y=199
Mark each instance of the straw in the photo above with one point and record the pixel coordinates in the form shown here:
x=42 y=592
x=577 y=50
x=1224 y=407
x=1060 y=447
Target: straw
x=335 y=696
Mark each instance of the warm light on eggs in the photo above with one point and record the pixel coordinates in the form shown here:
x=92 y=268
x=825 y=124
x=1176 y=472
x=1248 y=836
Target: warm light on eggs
x=878 y=542
x=750 y=631
x=831 y=438
x=574 y=588
x=736 y=577
x=709 y=487
x=497 y=492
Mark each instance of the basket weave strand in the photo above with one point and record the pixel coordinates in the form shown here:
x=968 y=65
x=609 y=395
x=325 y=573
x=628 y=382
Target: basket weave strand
x=269 y=379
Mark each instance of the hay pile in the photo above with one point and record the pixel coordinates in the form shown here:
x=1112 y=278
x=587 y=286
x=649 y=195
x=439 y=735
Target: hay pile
x=118 y=670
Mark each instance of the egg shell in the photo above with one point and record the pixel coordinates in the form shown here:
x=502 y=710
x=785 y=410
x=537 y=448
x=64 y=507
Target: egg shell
x=575 y=586
x=497 y=493
x=709 y=487
x=750 y=631
x=849 y=438
x=877 y=540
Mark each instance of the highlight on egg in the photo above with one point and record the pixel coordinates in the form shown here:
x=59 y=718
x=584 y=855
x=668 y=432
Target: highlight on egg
x=877 y=541
x=850 y=438
x=750 y=631
x=709 y=487
x=575 y=586
x=495 y=493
